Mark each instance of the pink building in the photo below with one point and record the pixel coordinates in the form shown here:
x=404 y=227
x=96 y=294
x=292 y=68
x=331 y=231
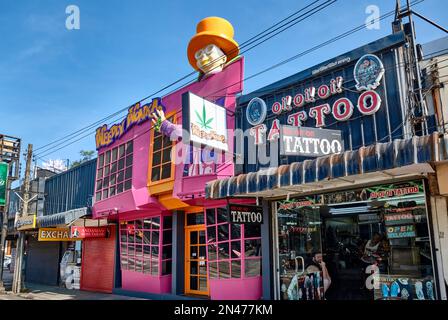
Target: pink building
x=171 y=239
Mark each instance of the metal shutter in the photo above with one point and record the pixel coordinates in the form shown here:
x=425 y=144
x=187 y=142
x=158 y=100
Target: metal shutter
x=42 y=262
x=98 y=265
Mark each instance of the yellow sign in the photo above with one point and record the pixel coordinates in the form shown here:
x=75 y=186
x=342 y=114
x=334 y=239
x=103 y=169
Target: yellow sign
x=55 y=234
x=26 y=223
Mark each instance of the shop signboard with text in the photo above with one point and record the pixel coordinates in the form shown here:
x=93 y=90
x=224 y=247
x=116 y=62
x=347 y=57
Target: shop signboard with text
x=398 y=232
x=55 y=234
x=205 y=122
x=88 y=232
x=310 y=142
x=137 y=114
x=3 y=182
x=245 y=214
x=313 y=103
x=356 y=94
x=378 y=193
x=27 y=222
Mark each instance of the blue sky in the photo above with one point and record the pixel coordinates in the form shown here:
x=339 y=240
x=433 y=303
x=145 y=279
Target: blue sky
x=54 y=81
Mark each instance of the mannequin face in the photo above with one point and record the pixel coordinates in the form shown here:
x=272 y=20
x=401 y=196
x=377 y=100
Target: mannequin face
x=210 y=59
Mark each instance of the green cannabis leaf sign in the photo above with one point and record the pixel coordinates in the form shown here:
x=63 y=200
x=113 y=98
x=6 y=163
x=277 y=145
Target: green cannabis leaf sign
x=203 y=121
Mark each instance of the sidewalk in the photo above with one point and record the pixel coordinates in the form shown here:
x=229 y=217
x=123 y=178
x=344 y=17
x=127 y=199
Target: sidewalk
x=42 y=292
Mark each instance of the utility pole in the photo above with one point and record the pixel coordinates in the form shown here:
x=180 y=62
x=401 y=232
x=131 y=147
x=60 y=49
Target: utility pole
x=10 y=154
x=17 y=283
x=421 y=100
x=418 y=100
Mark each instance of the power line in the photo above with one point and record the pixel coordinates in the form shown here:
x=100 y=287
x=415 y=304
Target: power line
x=45 y=151
x=337 y=38
x=352 y=31
x=244 y=44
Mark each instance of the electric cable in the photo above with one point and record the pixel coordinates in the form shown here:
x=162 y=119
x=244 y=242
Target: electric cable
x=276 y=65
x=248 y=42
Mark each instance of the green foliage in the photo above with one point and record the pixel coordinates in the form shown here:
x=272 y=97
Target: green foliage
x=86 y=155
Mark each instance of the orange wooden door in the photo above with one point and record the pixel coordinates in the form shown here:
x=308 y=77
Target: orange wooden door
x=196 y=280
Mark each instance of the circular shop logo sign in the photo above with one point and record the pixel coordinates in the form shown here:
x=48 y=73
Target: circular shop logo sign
x=256 y=111
x=369 y=71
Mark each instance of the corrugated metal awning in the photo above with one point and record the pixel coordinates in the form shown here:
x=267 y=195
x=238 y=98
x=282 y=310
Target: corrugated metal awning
x=62 y=218
x=399 y=158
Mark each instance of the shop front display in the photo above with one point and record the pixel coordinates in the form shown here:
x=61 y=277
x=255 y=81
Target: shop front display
x=340 y=171
x=369 y=243
x=234 y=256
x=146 y=254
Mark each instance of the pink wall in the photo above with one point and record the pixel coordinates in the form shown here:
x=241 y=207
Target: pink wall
x=136 y=281
x=226 y=83
x=238 y=289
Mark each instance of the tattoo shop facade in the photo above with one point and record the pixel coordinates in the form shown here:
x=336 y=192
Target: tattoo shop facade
x=348 y=195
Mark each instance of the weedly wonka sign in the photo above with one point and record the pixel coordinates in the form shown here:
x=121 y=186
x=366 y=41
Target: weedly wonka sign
x=3 y=179
x=137 y=114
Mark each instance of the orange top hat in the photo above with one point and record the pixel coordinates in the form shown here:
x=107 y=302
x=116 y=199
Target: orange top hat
x=213 y=30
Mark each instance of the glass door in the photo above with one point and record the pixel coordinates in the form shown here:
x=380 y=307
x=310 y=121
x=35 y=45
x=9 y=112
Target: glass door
x=196 y=281
x=301 y=268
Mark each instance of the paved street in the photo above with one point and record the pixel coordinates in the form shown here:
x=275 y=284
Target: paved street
x=7 y=278
x=42 y=292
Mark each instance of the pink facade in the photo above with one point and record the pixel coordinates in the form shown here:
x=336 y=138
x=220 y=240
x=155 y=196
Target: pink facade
x=139 y=203
x=226 y=83
x=133 y=281
x=236 y=289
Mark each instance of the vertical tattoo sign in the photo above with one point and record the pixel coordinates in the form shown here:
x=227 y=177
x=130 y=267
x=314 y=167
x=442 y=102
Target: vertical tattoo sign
x=73 y=21
x=3 y=184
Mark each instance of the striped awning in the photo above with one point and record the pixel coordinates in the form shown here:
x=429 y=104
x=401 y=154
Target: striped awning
x=392 y=159
x=62 y=218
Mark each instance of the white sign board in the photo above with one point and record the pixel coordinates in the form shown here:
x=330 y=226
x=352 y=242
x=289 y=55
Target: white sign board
x=206 y=122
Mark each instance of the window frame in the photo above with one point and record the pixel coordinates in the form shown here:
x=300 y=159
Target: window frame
x=173 y=118
x=229 y=241
x=124 y=246
x=102 y=166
